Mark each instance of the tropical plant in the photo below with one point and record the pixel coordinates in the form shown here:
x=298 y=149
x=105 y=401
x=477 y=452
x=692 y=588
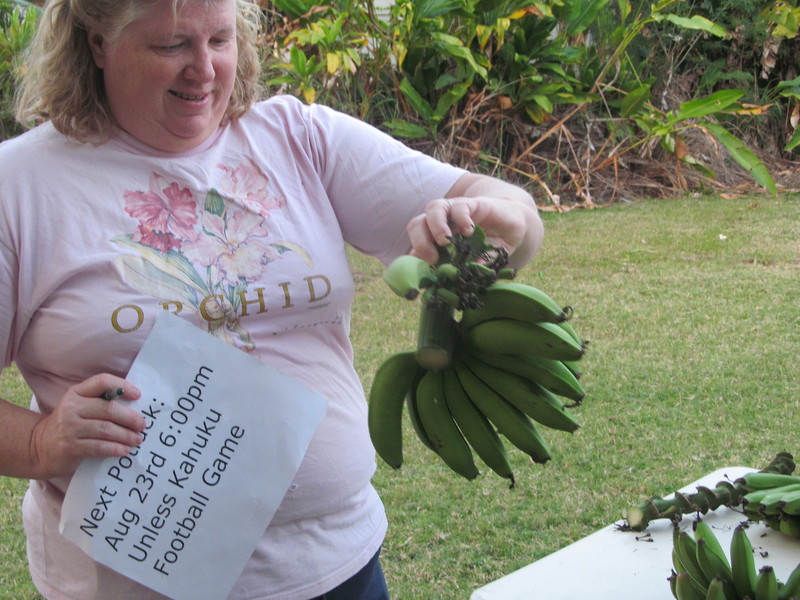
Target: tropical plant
x=317 y=53
x=569 y=96
x=17 y=25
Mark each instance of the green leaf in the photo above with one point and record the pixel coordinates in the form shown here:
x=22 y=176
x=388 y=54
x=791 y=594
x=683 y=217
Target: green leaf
x=543 y=102
x=705 y=170
x=624 y=7
x=30 y=5
x=634 y=100
x=794 y=141
x=430 y=9
x=583 y=14
x=417 y=102
x=172 y=264
x=742 y=155
x=214 y=203
x=283 y=247
x=449 y=98
x=293 y=8
x=298 y=59
x=404 y=129
x=789 y=88
x=444 y=80
x=282 y=80
x=716 y=102
x=452 y=46
x=536 y=113
x=696 y=22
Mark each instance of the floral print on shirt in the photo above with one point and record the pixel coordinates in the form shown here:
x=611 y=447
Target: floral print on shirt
x=204 y=252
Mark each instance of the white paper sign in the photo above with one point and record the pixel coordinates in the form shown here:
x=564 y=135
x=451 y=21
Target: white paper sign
x=225 y=436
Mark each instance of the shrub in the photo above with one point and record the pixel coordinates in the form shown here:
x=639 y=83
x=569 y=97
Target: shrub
x=17 y=24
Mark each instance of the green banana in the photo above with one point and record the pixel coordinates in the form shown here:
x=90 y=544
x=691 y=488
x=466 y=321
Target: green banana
x=673 y=579
x=406 y=275
x=446 y=296
x=760 y=480
x=567 y=326
x=440 y=428
x=393 y=380
x=714 y=567
x=685 y=588
x=759 y=495
x=676 y=560
x=481 y=273
x=511 y=422
x=791 y=505
x=790 y=525
x=716 y=590
x=686 y=546
x=773 y=502
x=791 y=587
x=574 y=368
x=513 y=300
x=743 y=564
x=679 y=564
x=475 y=427
x=573 y=365
x=510 y=336
x=552 y=375
x=771 y=521
x=413 y=416
x=446 y=273
x=766 y=587
x=703 y=532
x=536 y=402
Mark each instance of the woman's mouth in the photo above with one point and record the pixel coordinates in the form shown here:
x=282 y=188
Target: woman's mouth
x=190 y=97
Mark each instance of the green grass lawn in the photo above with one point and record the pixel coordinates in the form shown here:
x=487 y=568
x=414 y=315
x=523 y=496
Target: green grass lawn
x=692 y=312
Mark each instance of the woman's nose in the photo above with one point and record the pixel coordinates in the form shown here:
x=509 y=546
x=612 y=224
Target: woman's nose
x=201 y=66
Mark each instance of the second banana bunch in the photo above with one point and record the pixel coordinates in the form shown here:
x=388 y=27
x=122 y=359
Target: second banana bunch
x=774 y=499
x=495 y=359
x=703 y=571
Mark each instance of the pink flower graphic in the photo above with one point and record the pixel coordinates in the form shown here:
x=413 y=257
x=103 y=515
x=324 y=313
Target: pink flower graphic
x=248 y=184
x=206 y=249
x=235 y=247
x=166 y=214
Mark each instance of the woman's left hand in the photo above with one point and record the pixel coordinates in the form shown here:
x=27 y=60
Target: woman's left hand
x=507 y=214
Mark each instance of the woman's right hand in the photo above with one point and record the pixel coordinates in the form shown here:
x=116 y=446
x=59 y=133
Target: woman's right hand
x=85 y=425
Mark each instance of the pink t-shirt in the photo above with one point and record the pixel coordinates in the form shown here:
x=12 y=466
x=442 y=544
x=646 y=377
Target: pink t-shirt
x=244 y=237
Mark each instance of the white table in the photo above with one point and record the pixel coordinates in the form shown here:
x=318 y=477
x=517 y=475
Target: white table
x=622 y=565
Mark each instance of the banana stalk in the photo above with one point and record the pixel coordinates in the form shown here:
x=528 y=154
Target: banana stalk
x=436 y=336
x=704 y=499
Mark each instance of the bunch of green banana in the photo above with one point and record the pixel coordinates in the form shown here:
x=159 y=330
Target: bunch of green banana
x=505 y=368
x=774 y=499
x=725 y=493
x=703 y=571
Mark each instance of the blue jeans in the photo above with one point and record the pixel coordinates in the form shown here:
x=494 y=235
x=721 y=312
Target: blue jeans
x=367 y=584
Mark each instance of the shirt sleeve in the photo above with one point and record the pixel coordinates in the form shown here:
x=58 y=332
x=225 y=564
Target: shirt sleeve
x=375 y=183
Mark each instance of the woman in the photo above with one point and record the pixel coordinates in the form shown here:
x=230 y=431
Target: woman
x=155 y=181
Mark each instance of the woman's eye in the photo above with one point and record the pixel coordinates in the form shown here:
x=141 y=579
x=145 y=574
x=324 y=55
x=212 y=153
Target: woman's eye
x=172 y=47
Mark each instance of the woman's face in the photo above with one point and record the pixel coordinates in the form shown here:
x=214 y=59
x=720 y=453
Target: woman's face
x=168 y=81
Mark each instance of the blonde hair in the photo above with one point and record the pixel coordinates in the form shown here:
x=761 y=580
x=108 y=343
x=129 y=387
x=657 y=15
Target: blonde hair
x=61 y=83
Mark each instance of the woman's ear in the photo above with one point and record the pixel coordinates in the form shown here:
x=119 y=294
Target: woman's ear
x=97 y=44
